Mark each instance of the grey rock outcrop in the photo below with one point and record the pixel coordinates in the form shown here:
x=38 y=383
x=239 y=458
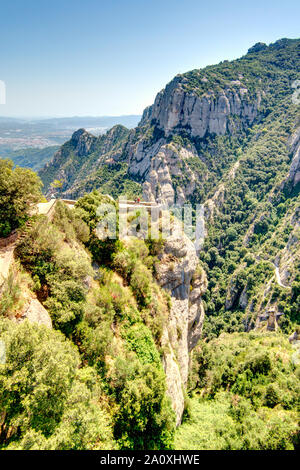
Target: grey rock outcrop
x=294 y=143
x=167 y=165
x=174 y=107
x=179 y=273
x=36 y=313
x=62 y=166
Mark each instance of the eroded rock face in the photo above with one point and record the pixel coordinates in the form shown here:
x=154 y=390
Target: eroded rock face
x=178 y=272
x=64 y=167
x=82 y=142
x=167 y=164
x=157 y=162
x=210 y=113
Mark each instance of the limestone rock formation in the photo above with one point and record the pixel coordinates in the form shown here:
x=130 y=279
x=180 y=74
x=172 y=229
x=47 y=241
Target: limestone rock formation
x=82 y=141
x=77 y=161
x=175 y=107
x=167 y=165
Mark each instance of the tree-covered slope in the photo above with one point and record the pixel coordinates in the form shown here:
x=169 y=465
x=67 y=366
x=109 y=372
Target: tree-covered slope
x=96 y=380
x=194 y=132
x=86 y=162
x=110 y=364
x=245 y=394
x=252 y=246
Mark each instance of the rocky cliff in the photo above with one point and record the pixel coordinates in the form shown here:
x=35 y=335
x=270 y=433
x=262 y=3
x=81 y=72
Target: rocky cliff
x=226 y=136
x=215 y=112
x=178 y=111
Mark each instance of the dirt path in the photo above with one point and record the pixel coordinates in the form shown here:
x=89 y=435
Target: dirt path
x=6 y=258
x=7 y=253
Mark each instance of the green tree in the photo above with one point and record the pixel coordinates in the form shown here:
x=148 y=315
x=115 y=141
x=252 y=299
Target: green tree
x=20 y=189
x=45 y=400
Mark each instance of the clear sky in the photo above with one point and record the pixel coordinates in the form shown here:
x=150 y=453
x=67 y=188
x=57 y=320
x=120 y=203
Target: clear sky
x=96 y=57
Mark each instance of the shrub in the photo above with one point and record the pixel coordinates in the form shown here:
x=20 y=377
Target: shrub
x=47 y=402
x=20 y=190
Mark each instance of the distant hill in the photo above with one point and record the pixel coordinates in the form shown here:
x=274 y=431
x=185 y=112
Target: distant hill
x=34 y=158
x=129 y=121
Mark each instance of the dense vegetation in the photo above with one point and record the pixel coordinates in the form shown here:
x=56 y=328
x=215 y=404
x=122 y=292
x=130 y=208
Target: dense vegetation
x=47 y=400
x=245 y=394
x=20 y=189
x=251 y=231
x=110 y=320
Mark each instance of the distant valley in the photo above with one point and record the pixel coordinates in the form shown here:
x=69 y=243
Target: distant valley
x=17 y=133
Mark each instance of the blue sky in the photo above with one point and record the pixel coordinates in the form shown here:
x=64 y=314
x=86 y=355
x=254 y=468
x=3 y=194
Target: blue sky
x=95 y=57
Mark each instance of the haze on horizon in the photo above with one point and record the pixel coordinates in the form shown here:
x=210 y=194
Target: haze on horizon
x=69 y=58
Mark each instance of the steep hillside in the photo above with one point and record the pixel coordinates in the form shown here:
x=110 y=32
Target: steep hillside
x=34 y=158
x=252 y=246
x=132 y=316
x=226 y=136
x=201 y=122
x=86 y=162
x=101 y=337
